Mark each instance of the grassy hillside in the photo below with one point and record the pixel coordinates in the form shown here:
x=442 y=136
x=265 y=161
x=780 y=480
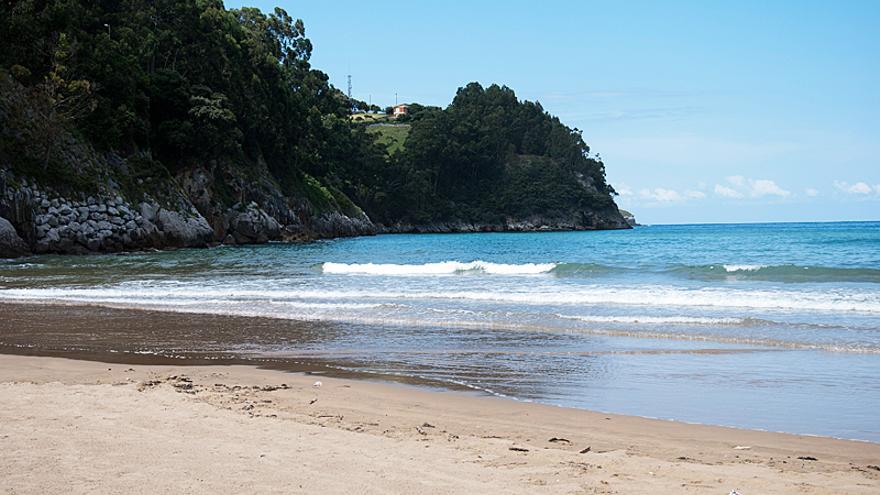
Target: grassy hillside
x=392 y=136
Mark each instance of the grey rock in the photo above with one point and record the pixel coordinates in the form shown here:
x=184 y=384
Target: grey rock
x=11 y=245
x=150 y=212
x=104 y=225
x=93 y=244
x=184 y=231
x=251 y=225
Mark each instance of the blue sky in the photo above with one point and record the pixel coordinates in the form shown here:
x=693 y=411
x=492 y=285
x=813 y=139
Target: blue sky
x=702 y=111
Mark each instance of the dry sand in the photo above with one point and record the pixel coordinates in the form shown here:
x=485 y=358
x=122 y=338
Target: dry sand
x=70 y=426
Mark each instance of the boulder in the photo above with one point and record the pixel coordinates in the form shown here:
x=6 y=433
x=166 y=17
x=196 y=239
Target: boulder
x=11 y=245
x=184 y=230
x=251 y=225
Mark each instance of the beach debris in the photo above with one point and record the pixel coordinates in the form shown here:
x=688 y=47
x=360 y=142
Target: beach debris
x=421 y=431
x=269 y=388
x=742 y=447
x=428 y=425
x=313 y=401
x=317 y=383
x=875 y=468
x=518 y=449
x=807 y=458
x=734 y=492
x=247 y=407
x=148 y=384
x=584 y=451
x=559 y=440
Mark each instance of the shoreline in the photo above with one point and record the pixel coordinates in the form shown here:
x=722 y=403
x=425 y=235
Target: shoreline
x=69 y=330
x=233 y=427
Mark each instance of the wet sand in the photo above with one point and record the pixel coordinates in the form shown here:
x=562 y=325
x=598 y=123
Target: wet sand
x=196 y=420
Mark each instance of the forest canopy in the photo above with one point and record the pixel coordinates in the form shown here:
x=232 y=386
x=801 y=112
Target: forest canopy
x=188 y=83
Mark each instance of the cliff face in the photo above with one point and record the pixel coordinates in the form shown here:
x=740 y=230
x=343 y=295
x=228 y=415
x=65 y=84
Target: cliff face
x=60 y=195
x=41 y=220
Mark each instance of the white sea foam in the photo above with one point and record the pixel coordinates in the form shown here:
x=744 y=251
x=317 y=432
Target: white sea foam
x=441 y=268
x=630 y=296
x=743 y=268
x=655 y=320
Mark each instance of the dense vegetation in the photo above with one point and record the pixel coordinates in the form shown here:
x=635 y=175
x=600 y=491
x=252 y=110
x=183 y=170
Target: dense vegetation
x=172 y=84
x=486 y=156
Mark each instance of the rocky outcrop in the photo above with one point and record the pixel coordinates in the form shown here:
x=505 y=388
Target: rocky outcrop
x=250 y=225
x=42 y=221
x=606 y=219
x=629 y=218
x=100 y=224
x=11 y=245
x=263 y=212
x=335 y=224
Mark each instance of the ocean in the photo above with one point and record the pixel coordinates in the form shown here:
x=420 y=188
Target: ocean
x=764 y=326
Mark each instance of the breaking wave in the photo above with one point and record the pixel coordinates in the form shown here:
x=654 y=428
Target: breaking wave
x=441 y=268
x=782 y=273
x=729 y=271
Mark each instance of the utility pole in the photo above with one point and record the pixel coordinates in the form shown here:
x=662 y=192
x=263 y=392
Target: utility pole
x=349 y=87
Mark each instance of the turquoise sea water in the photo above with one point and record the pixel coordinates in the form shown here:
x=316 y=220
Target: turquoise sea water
x=771 y=326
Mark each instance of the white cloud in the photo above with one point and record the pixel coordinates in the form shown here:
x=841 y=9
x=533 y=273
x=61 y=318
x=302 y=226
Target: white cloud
x=857 y=188
x=624 y=190
x=811 y=192
x=661 y=195
x=764 y=187
x=736 y=180
x=727 y=192
x=741 y=187
x=695 y=194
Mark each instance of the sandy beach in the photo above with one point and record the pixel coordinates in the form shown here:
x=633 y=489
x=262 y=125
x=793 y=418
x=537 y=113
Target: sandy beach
x=70 y=426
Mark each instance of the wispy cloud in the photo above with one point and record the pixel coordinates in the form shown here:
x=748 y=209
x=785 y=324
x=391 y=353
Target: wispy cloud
x=858 y=188
x=657 y=195
x=659 y=113
x=661 y=195
x=741 y=187
x=810 y=192
x=727 y=192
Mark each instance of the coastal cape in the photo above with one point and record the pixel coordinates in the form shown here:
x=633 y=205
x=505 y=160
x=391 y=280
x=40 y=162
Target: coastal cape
x=186 y=124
